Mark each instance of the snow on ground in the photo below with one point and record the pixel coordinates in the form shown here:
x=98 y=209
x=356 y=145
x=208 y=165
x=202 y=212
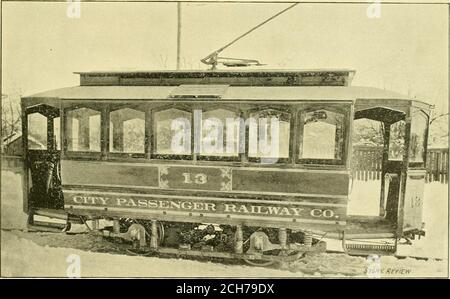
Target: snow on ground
x=25 y=254
x=365 y=198
x=12 y=215
x=24 y=258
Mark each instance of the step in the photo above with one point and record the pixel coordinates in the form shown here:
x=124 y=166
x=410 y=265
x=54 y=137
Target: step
x=368 y=249
x=51 y=213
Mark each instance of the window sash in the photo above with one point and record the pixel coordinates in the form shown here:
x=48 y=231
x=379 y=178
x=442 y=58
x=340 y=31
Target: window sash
x=344 y=134
x=187 y=140
x=118 y=134
x=238 y=128
x=68 y=132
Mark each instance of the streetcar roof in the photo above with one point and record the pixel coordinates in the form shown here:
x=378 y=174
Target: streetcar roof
x=227 y=93
x=218 y=72
x=224 y=85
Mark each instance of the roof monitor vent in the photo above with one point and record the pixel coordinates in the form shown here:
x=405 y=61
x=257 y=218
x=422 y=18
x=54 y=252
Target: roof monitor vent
x=199 y=92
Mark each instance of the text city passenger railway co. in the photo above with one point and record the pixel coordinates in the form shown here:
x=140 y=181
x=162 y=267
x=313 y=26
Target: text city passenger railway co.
x=202 y=206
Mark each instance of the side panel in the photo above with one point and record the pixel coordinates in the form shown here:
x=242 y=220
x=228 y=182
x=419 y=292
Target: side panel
x=293 y=198
x=306 y=182
x=413 y=201
x=108 y=174
x=257 y=180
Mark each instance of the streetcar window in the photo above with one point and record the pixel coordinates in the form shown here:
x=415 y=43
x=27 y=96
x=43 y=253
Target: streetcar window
x=397 y=141
x=57 y=132
x=37 y=131
x=220 y=133
x=83 y=130
x=367 y=132
x=269 y=134
x=172 y=128
x=323 y=135
x=419 y=122
x=127 y=131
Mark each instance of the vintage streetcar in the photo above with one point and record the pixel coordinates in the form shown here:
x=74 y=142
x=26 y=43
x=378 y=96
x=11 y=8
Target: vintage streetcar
x=242 y=164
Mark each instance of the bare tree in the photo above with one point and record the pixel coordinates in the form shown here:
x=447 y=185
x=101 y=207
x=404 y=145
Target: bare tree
x=438 y=117
x=11 y=115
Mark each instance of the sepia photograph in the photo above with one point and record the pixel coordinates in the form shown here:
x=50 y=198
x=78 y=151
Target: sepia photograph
x=235 y=139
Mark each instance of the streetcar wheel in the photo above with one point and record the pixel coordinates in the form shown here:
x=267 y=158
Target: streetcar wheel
x=138 y=252
x=273 y=237
x=264 y=263
x=125 y=223
x=259 y=263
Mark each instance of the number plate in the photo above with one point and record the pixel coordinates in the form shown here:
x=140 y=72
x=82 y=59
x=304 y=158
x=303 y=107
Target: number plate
x=195 y=178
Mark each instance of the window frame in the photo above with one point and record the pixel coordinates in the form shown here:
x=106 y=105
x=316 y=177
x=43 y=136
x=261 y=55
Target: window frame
x=423 y=163
x=45 y=132
x=153 y=138
x=142 y=107
x=50 y=113
x=241 y=132
x=404 y=140
x=243 y=110
x=345 y=110
x=285 y=109
x=104 y=119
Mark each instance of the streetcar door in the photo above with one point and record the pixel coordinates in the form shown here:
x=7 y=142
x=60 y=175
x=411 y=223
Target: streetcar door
x=379 y=161
x=42 y=150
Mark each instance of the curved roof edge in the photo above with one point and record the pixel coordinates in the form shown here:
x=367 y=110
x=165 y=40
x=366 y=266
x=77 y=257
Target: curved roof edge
x=230 y=93
x=217 y=71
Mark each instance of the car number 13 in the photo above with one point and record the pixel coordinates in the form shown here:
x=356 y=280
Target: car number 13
x=199 y=178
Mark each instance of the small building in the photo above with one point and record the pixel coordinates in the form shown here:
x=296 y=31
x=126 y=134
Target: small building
x=12 y=144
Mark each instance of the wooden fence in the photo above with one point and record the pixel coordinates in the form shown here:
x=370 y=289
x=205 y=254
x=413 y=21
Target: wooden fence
x=367 y=163
x=437 y=165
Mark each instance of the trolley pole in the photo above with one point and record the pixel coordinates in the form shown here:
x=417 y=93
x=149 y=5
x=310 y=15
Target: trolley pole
x=178 y=34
